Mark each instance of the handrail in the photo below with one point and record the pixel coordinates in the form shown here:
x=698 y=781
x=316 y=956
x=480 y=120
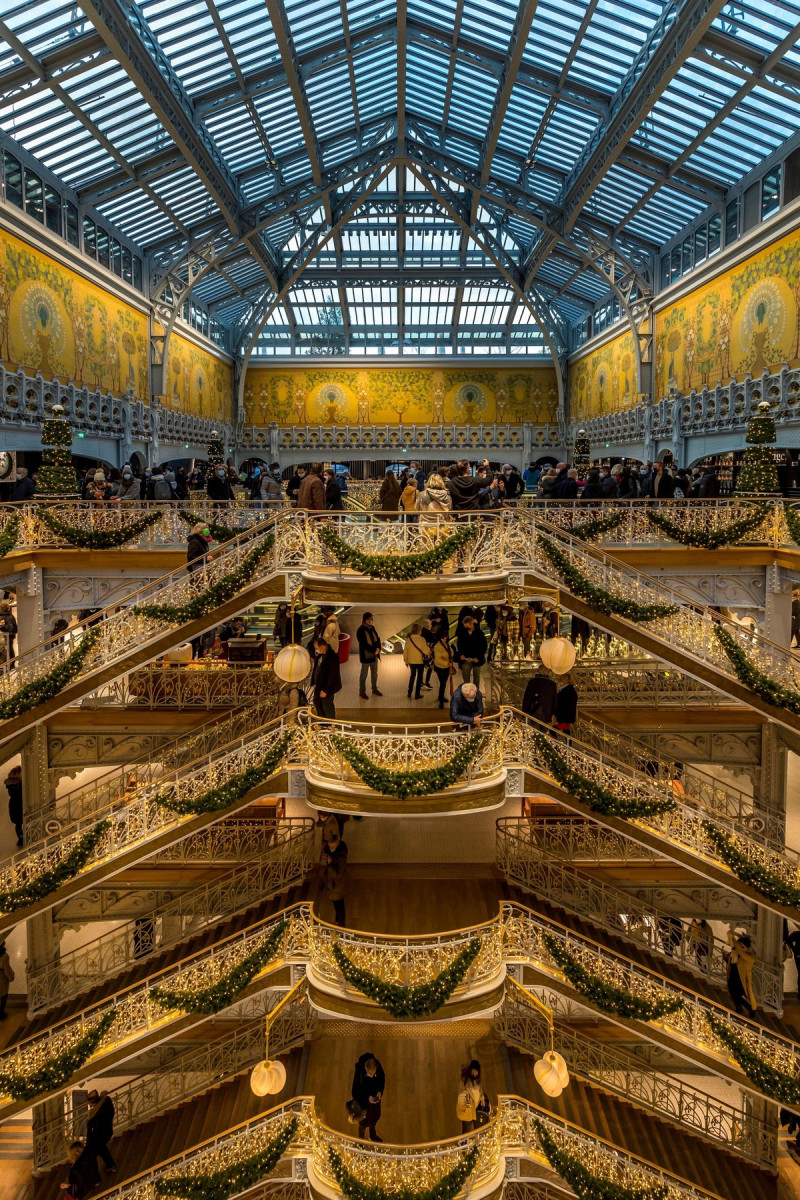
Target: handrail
x=284 y=862
x=529 y=860
x=512 y=1134
x=518 y=934
x=628 y=1076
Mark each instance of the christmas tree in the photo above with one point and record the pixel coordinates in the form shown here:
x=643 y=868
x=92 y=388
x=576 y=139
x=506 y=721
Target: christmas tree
x=757 y=474
x=580 y=454
x=216 y=451
x=56 y=476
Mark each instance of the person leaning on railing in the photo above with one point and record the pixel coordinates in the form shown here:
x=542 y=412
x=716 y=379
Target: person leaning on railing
x=128 y=488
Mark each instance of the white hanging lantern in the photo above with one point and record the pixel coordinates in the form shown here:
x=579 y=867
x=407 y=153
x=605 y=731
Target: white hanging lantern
x=268 y=1077
x=557 y=654
x=292 y=663
x=551 y=1073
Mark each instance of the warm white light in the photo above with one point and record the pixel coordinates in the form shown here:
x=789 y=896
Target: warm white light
x=557 y=654
x=292 y=663
x=551 y=1073
x=268 y=1077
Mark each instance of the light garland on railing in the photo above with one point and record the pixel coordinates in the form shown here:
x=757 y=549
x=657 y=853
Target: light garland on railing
x=48 y=881
x=49 y=685
x=768 y=689
x=403 y=784
x=759 y=877
x=607 y=996
x=598 y=598
x=714 y=539
x=446 y=1189
x=238 y=1177
x=233 y=789
x=8 y=536
x=588 y=530
x=599 y=799
x=396 y=566
x=98 y=539
x=792 y=518
x=585 y=1184
x=405 y=1002
x=55 y=1074
x=219 y=995
x=778 y=1085
x=205 y=602
x=219 y=533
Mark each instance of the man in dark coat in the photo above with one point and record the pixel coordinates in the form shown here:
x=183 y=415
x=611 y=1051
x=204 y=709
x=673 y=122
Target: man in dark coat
x=218 y=487
x=539 y=700
x=293 y=486
x=24 y=487
x=464 y=489
x=326 y=678
x=369 y=1084
x=100 y=1128
x=660 y=485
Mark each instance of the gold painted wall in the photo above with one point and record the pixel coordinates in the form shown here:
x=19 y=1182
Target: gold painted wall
x=54 y=321
x=399 y=395
x=604 y=380
x=745 y=321
x=197 y=382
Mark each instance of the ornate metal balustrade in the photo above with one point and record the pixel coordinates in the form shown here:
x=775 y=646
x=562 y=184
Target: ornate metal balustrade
x=512 y=1134
x=525 y=439
x=291 y=1022
x=206 y=684
x=579 y=840
x=234 y=840
x=528 y=857
x=605 y=1065
x=617 y=683
x=289 y=856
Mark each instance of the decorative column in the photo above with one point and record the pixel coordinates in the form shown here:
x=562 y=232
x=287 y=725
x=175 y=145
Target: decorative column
x=30 y=611
x=777 y=606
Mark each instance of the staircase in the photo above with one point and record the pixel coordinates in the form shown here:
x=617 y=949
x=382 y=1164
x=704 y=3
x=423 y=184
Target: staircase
x=16 y=1139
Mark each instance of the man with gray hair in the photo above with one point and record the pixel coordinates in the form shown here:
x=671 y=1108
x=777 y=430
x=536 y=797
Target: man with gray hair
x=466 y=706
x=24 y=487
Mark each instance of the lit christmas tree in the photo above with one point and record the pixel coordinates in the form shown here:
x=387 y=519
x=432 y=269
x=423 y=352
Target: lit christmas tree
x=580 y=454
x=758 y=475
x=216 y=451
x=56 y=476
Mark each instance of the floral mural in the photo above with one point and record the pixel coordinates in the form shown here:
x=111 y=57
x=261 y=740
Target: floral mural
x=197 y=382
x=603 y=380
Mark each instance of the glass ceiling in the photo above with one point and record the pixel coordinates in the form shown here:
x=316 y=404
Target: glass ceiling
x=478 y=134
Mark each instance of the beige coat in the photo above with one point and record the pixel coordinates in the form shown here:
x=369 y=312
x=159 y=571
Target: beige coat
x=415 y=649
x=744 y=960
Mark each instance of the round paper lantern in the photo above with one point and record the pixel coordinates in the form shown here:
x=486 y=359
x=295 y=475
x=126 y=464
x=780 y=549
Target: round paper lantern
x=557 y=654
x=268 y=1077
x=551 y=1073
x=292 y=663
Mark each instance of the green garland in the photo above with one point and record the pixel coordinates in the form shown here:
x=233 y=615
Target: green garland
x=222 y=994
x=599 y=799
x=46 y=883
x=402 y=784
x=8 y=536
x=212 y=597
x=769 y=1080
x=49 y=685
x=395 y=566
x=409 y=1002
x=230 y=1181
x=447 y=1188
x=215 y=799
x=596 y=528
x=56 y=476
x=728 y=535
x=792 y=522
x=220 y=533
x=607 y=996
x=98 y=539
x=599 y=599
x=56 y=1073
x=764 y=881
x=770 y=691
x=584 y=1184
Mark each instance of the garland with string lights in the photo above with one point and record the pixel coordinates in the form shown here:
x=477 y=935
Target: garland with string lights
x=219 y=995
x=599 y=799
x=46 y=883
x=447 y=1188
x=219 y=533
x=402 y=784
x=596 y=528
x=598 y=598
x=404 y=1002
x=396 y=566
x=8 y=536
x=215 y=451
x=580 y=454
x=727 y=535
x=49 y=685
x=56 y=476
x=585 y=1184
x=764 y=881
x=792 y=516
x=218 y=798
x=607 y=996
x=768 y=689
x=778 y=1085
x=758 y=475
x=205 y=602
x=58 y=1071
x=98 y=539
x=238 y=1177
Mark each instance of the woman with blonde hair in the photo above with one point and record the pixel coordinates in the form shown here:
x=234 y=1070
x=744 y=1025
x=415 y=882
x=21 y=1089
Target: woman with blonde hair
x=434 y=498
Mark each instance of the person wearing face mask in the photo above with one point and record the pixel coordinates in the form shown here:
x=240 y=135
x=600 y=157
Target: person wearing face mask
x=128 y=487
x=219 y=487
x=24 y=487
x=293 y=486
